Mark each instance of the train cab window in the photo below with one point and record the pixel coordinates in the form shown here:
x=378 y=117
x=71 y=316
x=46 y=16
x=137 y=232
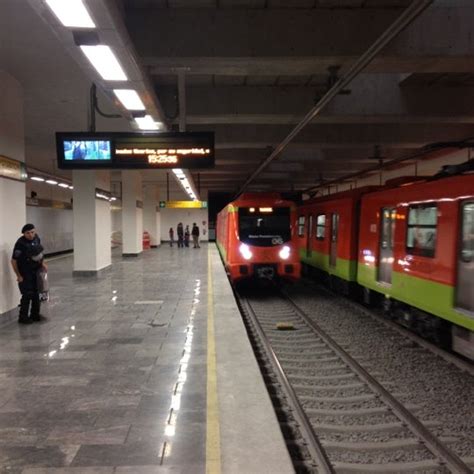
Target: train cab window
x=467 y=233
x=301 y=220
x=264 y=227
x=421 y=230
x=320 y=226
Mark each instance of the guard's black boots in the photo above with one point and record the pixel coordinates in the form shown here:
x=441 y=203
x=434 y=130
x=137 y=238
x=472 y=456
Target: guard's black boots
x=25 y=321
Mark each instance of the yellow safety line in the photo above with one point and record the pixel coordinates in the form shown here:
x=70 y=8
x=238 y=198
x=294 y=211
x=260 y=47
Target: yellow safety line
x=213 y=442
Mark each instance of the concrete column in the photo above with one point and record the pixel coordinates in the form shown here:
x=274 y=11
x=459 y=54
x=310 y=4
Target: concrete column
x=132 y=213
x=92 y=223
x=12 y=193
x=151 y=213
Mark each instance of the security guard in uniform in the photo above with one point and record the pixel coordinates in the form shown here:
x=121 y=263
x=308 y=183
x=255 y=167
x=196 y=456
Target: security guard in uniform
x=27 y=260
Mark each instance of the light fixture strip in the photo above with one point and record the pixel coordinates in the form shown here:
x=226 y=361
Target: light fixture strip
x=129 y=99
x=71 y=13
x=104 y=61
x=148 y=123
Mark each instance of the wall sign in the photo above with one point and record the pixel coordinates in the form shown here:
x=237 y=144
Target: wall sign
x=12 y=169
x=88 y=150
x=183 y=204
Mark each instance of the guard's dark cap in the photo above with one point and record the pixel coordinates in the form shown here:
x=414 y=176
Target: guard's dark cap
x=27 y=227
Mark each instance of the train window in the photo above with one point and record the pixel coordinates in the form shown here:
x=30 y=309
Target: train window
x=301 y=220
x=467 y=247
x=264 y=229
x=320 y=226
x=421 y=231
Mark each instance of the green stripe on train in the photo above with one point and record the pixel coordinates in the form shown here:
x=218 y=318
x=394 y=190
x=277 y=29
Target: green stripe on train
x=345 y=269
x=430 y=296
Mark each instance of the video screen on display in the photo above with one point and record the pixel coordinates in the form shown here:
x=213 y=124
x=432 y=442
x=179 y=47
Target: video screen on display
x=87 y=150
x=127 y=150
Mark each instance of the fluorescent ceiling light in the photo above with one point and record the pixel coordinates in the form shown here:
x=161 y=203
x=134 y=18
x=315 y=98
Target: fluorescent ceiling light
x=63 y=185
x=37 y=178
x=105 y=62
x=71 y=13
x=51 y=181
x=130 y=99
x=71 y=187
x=147 y=123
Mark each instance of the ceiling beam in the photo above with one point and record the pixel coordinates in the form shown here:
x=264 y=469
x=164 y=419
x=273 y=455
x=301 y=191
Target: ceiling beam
x=398 y=135
x=309 y=37
x=261 y=119
x=373 y=98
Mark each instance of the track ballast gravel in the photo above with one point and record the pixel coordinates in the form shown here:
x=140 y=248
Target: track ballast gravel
x=354 y=426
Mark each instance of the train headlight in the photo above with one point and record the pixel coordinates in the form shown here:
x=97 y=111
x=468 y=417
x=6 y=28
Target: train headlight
x=285 y=253
x=245 y=251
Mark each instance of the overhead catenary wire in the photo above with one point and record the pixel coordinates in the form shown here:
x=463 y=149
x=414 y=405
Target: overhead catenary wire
x=410 y=13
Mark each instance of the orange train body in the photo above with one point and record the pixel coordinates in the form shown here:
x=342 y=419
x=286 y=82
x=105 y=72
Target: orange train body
x=256 y=237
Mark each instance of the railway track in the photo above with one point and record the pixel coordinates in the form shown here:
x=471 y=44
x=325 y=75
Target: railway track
x=453 y=358
x=351 y=422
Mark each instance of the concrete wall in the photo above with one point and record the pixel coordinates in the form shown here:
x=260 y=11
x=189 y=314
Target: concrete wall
x=47 y=191
x=153 y=226
x=12 y=218
x=116 y=216
x=92 y=222
x=132 y=220
x=103 y=234
x=171 y=218
x=103 y=222
x=54 y=227
x=12 y=193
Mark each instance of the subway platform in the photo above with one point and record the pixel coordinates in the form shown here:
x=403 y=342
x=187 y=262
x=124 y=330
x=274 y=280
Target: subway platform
x=146 y=369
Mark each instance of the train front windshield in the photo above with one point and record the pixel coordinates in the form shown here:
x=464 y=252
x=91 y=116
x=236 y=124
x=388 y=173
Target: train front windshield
x=264 y=226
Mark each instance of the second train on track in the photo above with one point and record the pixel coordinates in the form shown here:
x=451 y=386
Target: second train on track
x=408 y=246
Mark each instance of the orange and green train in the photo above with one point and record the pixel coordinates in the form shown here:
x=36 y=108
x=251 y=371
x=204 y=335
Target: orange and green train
x=408 y=245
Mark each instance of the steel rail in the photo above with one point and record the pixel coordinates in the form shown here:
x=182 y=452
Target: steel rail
x=314 y=445
x=443 y=453
x=409 y=14
x=449 y=357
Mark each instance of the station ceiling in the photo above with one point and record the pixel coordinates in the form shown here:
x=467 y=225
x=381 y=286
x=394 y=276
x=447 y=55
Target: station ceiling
x=252 y=69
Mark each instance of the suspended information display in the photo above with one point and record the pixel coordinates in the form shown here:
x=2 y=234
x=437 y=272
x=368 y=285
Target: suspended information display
x=89 y=150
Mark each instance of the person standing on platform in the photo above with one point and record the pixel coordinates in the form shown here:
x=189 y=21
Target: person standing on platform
x=195 y=234
x=171 y=236
x=27 y=261
x=180 y=233
x=186 y=236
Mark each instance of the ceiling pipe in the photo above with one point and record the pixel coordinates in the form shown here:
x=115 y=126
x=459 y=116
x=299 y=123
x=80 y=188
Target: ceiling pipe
x=182 y=99
x=182 y=125
x=409 y=14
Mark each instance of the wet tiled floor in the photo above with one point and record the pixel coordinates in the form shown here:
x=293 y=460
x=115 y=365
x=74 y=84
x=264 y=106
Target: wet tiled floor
x=114 y=380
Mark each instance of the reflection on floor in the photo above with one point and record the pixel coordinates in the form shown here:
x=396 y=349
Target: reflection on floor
x=116 y=375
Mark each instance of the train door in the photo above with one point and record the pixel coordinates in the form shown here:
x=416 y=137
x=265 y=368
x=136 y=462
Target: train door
x=310 y=235
x=465 y=282
x=387 y=233
x=334 y=237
